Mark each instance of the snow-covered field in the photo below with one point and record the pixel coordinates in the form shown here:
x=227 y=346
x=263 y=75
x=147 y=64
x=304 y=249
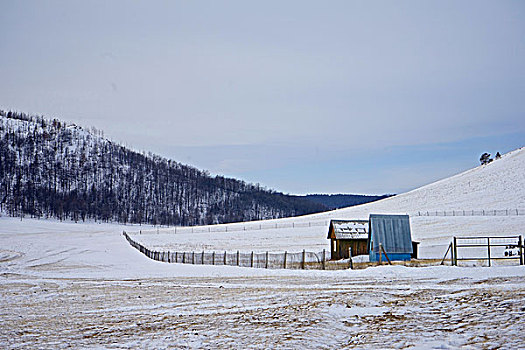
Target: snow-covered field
x=82 y=285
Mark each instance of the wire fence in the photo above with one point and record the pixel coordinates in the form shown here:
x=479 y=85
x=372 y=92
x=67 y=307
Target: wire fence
x=268 y=260
x=235 y=227
x=493 y=212
x=238 y=227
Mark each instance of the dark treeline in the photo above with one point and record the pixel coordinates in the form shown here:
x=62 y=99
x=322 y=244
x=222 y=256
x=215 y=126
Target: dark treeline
x=52 y=169
x=336 y=201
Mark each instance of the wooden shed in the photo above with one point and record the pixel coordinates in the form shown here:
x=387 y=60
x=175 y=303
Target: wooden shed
x=344 y=234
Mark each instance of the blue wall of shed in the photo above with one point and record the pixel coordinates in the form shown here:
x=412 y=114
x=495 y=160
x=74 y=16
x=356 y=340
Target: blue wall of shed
x=374 y=256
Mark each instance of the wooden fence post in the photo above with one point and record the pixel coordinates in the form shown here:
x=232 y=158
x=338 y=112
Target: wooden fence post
x=202 y=260
x=224 y=257
x=303 y=260
x=238 y=258
x=455 y=250
x=380 y=254
x=386 y=256
x=213 y=258
x=488 y=249
x=520 y=243
x=176 y=256
x=251 y=260
x=193 y=258
x=184 y=257
x=444 y=256
x=285 y=254
x=350 y=262
x=324 y=259
x=266 y=260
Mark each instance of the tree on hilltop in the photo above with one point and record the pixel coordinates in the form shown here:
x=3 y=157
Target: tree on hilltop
x=485 y=158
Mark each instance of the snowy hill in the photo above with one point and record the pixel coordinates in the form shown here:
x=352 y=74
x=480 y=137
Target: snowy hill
x=52 y=169
x=498 y=186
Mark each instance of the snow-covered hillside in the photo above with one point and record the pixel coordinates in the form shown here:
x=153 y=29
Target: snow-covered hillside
x=499 y=186
x=52 y=169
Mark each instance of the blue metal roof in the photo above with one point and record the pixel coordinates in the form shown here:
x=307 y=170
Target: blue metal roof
x=392 y=231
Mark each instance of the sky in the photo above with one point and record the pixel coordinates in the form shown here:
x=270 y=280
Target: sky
x=365 y=97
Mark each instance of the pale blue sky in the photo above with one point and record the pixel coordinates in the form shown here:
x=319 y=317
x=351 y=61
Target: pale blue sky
x=300 y=96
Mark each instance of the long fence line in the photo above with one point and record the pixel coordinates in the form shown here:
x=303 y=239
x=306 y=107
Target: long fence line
x=493 y=212
x=237 y=227
x=268 y=260
x=251 y=227
x=234 y=227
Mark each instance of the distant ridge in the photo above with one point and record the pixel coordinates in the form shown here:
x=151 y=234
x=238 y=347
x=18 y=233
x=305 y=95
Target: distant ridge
x=338 y=201
x=49 y=168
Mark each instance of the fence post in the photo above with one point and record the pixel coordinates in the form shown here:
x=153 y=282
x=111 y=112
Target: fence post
x=455 y=250
x=251 y=260
x=224 y=257
x=444 y=256
x=350 y=262
x=169 y=256
x=381 y=253
x=303 y=259
x=202 y=257
x=285 y=254
x=193 y=258
x=266 y=259
x=520 y=243
x=488 y=248
x=184 y=257
x=213 y=258
x=324 y=259
x=238 y=256
x=386 y=255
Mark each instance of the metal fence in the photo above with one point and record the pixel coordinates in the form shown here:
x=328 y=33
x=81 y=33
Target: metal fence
x=485 y=248
x=268 y=260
